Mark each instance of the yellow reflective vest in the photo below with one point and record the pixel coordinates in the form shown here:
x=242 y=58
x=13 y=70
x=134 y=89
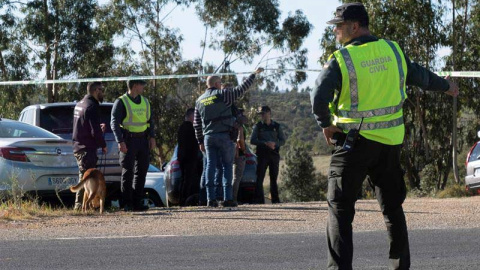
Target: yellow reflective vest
x=138 y=115
x=373 y=88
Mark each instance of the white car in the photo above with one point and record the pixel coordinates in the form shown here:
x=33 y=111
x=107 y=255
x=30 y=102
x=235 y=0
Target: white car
x=58 y=118
x=155 y=192
x=472 y=164
x=33 y=160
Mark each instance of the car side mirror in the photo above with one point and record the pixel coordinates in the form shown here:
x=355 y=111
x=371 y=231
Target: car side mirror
x=478 y=134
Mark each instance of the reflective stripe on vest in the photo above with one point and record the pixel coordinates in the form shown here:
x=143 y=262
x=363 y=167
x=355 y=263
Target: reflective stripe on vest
x=352 y=74
x=134 y=122
x=372 y=126
x=373 y=88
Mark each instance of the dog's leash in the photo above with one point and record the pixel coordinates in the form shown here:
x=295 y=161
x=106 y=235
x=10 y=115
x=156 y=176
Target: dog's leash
x=105 y=157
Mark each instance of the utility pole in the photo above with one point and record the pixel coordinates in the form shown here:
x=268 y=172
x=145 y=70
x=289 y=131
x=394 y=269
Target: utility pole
x=454 y=118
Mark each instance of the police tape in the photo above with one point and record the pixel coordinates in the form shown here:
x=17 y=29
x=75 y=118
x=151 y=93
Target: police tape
x=464 y=74
x=469 y=74
x=116 y=79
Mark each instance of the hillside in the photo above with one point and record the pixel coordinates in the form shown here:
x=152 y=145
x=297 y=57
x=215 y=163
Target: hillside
x=294 y=112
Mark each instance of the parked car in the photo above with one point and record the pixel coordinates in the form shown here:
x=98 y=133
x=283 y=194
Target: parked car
x=155 y=192
x=472 y=164
x=33 y=160
x=173 y=179
x=58 y=119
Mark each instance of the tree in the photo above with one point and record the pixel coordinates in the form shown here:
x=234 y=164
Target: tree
x=65 y=42
x=242 y=28
x=159 y=53
x=14 y=63
x=299 y=182
x=463 y=38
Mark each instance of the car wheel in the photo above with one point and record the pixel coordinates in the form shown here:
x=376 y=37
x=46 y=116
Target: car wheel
x=152 y=199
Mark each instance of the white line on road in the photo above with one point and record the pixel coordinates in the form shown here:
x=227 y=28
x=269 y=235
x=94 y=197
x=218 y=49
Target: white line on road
x=115 y=237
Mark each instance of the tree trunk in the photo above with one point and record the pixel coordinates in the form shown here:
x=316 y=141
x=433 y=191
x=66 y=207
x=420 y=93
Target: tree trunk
x=3 y=69
x=48 y=52
x=446 y=173
x=418 y=109
x=411 y=170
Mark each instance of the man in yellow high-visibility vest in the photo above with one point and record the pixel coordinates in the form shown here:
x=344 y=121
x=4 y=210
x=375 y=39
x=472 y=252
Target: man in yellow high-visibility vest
x=134 y=131
x=363 y=87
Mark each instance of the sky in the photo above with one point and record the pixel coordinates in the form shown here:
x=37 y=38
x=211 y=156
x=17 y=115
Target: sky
x=318 y=12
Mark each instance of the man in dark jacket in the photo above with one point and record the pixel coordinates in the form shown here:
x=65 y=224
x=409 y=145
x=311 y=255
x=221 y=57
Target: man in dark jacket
x=189 y=156
x=88 y=133
x=268 y=136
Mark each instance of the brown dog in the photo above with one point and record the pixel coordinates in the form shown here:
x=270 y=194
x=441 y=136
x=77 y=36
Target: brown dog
x=95 y=189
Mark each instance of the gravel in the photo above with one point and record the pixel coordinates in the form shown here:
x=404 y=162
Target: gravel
x=425 y=213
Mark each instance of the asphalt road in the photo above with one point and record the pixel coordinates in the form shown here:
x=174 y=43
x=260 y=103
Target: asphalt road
x=431 y=249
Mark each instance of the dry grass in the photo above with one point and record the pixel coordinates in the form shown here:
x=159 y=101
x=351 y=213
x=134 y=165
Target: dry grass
x=30 y=209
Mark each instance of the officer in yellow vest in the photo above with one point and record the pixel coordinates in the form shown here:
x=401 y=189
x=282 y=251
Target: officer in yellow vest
x=362 y=87
x=134 y=132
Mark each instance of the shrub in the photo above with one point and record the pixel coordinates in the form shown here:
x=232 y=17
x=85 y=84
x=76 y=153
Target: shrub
x=300 y=183
x=453 y=191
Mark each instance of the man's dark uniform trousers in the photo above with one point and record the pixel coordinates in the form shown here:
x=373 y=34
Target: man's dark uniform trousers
x=136 y=161
x=87 y=136
x=349 y=169
x=267 y=157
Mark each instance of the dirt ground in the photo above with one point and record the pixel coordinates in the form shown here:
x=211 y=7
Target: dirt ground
x=425 y=213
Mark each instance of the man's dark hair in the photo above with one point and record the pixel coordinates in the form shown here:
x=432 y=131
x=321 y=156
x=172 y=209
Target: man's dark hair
x=131 y=83
x=189 y=112
x=92 y=87
x=363 y=22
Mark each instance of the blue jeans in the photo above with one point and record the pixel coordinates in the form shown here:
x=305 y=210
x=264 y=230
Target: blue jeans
x=219 y=146
x=218 y=176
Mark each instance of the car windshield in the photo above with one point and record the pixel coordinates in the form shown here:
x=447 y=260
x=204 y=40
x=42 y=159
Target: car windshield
x=59 y=120
x=475 y=155
x=21 y=130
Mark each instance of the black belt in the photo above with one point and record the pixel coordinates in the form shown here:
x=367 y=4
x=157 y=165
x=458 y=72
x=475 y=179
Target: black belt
x=135 y=134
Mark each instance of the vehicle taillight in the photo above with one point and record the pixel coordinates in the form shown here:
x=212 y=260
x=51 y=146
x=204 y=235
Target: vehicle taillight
x=469 y=153
x=251 y=189
x=175 y=166
x=15 y=153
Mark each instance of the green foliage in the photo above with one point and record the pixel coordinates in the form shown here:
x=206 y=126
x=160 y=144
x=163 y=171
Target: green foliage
x=453 y=191
x=242 y=28
x=429 y=182
x=299 y=180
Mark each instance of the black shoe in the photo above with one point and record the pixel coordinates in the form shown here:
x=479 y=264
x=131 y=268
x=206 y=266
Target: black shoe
x=229 y=203
x=141 y=208
x=212 y=204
